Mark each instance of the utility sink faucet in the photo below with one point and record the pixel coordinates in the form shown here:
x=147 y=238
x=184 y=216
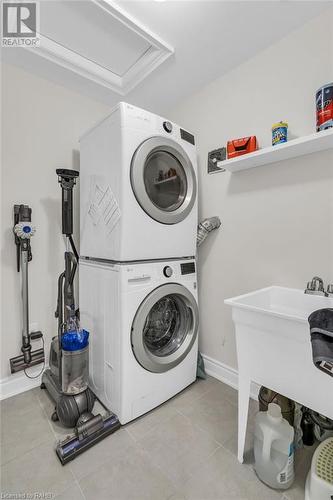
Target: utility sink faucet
x=316 y=287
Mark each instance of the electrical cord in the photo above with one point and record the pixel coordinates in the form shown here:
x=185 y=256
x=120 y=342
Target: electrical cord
x=42 y=369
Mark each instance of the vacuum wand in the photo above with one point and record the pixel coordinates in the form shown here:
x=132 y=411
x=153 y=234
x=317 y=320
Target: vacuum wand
x=23 y=231
x=26 y=346
x=66 y=302
x=67 y=181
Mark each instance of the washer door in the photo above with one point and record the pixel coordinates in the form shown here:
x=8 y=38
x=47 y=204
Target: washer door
x=163 y=180
x=165 y=328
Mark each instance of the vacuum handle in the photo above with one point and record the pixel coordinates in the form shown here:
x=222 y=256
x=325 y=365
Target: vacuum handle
x=67 y=180
x=67 y=211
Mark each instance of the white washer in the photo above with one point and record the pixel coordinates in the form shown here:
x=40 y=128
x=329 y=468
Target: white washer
x=143 y=322
x=138 y=188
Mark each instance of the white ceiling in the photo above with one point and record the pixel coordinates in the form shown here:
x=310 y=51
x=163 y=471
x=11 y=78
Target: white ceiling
x=209 y=39
x=118 y=47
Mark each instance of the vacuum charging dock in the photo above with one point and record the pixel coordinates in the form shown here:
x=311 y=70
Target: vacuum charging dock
x=36 y=357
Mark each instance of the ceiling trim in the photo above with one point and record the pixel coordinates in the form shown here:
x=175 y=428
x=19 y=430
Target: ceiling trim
x=157 y=53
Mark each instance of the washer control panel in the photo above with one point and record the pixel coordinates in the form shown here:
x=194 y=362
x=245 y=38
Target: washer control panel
x=187 y=268
x=167 y=271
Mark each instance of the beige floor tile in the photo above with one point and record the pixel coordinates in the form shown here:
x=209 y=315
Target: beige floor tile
x=47 y=404
x=177 y=496
x=37 y=471
x=201 y=387
x=214 y=480
x=44 y=400
x=183 y=450
x=228 y=392
x=72 y=493
x=129 y=477
x=21 y=431
x=232 y=445
x=109 y=449
x=195 y=391
x=212 y=401
x=142 y=425
x=219 y=394
x=218 y=417
x=178 y=447
x=192 y=393
x=21 y=403
x=222 y=477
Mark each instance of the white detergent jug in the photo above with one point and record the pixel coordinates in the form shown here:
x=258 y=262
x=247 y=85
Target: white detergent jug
x=274 y=448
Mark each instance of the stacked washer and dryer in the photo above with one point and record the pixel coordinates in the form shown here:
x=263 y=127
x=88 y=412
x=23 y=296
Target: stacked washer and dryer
x=138 y=283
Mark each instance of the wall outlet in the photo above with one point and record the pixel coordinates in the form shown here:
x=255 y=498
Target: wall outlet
x=214 y=157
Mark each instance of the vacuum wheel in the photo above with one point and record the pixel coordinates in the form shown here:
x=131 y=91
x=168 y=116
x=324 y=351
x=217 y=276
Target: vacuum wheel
x=54 y=417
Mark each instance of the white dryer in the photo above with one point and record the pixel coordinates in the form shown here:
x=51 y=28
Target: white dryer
x=138 y=188
x=143 y=322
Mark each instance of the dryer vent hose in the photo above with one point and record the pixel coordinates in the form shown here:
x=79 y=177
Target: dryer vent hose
x=205 y=227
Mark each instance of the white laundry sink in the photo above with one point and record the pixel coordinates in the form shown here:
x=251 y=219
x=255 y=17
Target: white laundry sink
x=281 y=302
x=274 y=349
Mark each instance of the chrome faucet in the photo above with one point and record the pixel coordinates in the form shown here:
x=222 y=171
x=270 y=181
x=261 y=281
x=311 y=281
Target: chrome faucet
x=316 y=287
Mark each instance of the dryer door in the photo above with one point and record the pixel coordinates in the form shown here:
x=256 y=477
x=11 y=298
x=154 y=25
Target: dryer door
x=165 y=327
x=163 y=180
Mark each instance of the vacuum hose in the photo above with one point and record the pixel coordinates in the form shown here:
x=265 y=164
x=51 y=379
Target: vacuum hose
x=205 y=227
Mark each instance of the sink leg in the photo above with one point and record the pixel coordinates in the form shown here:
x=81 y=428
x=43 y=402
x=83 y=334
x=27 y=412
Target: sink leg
x=244 y=384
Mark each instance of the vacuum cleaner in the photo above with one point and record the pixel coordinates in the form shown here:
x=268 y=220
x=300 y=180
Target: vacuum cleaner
x=23 y=232
x=66 y=380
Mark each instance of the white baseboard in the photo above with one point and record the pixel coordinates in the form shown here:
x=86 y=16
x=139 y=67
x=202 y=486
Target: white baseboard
x=226 y=374
x=17 y=383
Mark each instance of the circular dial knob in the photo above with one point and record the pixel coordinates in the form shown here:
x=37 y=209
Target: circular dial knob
x=167 y=127
x=167 y=271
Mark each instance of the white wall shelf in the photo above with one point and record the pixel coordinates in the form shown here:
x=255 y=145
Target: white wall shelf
x=320 y=141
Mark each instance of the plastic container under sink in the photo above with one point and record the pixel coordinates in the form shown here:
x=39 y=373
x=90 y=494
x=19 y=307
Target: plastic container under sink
x=319 y=483
x=274 y=448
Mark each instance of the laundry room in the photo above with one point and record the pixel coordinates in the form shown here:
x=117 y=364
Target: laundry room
x=167 y=250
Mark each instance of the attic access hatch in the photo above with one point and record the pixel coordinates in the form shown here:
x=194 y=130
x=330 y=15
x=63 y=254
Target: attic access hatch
x=99 y=41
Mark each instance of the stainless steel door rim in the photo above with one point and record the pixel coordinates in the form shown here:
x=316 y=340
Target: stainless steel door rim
x=140 y=160
x=161 y=363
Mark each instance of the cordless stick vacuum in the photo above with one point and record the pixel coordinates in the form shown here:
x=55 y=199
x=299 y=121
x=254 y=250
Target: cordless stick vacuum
x=67 y=378
x=23 y=231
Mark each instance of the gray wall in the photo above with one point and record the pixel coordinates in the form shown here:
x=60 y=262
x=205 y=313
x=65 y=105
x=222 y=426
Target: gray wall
x=276 y=220
x=41 y=124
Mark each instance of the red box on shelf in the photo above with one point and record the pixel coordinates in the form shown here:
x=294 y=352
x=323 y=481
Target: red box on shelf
x=243 y=146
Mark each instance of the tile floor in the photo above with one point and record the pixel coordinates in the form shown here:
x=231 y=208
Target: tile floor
x=185 y=449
